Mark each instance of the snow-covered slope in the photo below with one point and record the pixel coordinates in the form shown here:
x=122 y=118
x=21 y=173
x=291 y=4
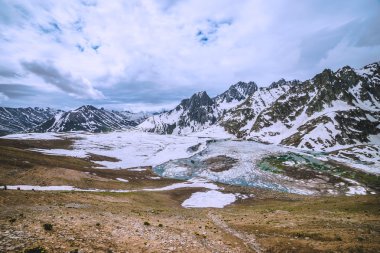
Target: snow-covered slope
x=329 y=111
x=332 y=109
x=86 y=118
x=138 y=117
x=199 y=111
x=239 y=120
x=235 y=95
x=191 y=115
x=13 y=120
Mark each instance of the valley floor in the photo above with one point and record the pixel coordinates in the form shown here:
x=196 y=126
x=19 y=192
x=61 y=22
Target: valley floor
x=156 y=221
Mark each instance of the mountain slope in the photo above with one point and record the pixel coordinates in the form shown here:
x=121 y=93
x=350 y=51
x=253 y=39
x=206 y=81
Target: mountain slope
x=234 y=95
x=239 y=120
x=135 y=117
x=330 y=110
x=13 y=120
x=86 y=118
x=192 y=114
x=199 y=111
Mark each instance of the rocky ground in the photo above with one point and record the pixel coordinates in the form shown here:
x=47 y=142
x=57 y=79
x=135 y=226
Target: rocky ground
x=143 y=221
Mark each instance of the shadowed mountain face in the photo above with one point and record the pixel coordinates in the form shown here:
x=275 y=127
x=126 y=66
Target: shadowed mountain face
x=21 y=119
x=332 y=108
x=86 y=118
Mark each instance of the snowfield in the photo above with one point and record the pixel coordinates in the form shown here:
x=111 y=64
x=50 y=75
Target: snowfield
x=132 y=148
x=188 y=158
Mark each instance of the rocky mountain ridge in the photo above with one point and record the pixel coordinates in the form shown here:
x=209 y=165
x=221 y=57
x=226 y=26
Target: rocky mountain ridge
x=14 y=120
x=85 y=118
x=199 y=111
x=329 y=110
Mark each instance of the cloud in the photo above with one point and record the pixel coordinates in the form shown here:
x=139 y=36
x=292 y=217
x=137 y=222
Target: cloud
x=6 y=72
x=77 y=87
x=3 y=97
x=16 y=91
x=160 y=51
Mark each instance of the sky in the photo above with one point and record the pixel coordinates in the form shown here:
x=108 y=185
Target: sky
x=148 y=55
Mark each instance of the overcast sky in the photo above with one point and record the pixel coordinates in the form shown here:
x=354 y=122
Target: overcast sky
x=150 y=54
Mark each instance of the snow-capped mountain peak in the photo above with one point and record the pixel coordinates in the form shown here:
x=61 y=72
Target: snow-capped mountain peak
x=199 y=111
x=237 y=92
x=331 y=109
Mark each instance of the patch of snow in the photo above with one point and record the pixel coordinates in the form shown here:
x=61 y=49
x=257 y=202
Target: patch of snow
x=244 y=196
x=228 y=105
x=122 y=180
x=214 y=199
x=34 y=136
x=192 y=183
x=63 y=152
x=215 y=132
x=289 y=163
x=137 y=169
x=41 y=188
x=356 y=190
x=375 y=139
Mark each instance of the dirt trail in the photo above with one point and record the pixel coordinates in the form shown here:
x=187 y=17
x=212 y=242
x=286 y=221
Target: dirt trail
x=248 y=239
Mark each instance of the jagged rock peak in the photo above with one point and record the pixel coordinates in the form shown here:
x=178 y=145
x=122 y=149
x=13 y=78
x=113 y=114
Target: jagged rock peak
x=86 y=108
x=197 y=99
x=201 y=94
x=238 y=91
x=250 y=86
x=283 y=82
x=370 y=69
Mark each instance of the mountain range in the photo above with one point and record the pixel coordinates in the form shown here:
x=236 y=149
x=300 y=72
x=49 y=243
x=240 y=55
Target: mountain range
x=332 y=109
x=14 y=120
x=199 y=111
x=329 y=110
x=85 y=118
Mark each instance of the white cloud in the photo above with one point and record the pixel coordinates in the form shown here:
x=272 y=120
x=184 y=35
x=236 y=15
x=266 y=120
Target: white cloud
x=182 y=45
x=140 y=107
